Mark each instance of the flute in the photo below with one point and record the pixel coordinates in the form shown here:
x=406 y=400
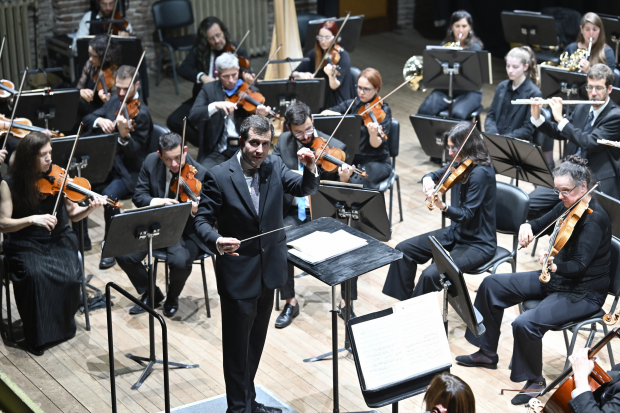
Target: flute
x=589 y=50
x=564 y=102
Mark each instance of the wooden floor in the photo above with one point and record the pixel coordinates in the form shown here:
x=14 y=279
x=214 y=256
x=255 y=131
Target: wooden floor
x=74 y=376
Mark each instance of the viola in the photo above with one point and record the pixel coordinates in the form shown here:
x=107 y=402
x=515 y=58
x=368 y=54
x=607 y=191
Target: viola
x=106 y=81
x=375 y=115
x=7 y=89
x=243 y=62
x=76 y=189
x=190 y=186
x=248 y=99
x=21 y=127
x=331 y=158
x=456 y=175
x=117 y=27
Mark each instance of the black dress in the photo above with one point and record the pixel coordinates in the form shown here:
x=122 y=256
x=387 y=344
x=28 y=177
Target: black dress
x=46 y=274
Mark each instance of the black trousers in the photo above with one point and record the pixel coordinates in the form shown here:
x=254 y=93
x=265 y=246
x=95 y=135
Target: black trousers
x=464 y=103
x=542 y=200
x=175 y=122
x=180 y=258
x=500 y=291
x=288 y=290
x=244 y=330
x=377 y=173
x=215 y=158
x=400 y=281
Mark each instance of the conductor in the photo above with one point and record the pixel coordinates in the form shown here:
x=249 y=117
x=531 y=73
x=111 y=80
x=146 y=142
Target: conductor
x=244 y=195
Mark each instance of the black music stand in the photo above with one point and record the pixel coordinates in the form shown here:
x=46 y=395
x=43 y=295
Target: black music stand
x=520 y=160
x=50 y=109
x=44 y=77
x=280 y=94
x=341 y=269
x=349 y=36
x=612 y=31
x=348 y=133
x=430 y=130
x=531 y=28
x=615 y=95
x=562 y=83
x=612 y=207
x=147 y=229
x=451 y=69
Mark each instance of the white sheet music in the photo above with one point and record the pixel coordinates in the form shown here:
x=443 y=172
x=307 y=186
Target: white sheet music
x=404 y=344
x=320 y=246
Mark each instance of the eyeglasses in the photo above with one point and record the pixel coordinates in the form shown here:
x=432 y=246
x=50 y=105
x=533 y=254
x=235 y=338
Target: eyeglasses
x=365 y=89
x=452 y=148
x=215 y=37
x=563 y=193
x=307 y=132
x=598 y=88
x=324 y=38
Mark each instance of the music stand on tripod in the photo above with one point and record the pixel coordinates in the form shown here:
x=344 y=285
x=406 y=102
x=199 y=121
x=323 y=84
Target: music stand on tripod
x=531 y=28
x=280 y=94
x=140 y=230
x=348 y=132
x=430 y=130
x=50 y=109
x=611 y=24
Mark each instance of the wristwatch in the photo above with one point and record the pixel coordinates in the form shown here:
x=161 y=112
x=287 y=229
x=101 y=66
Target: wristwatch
x=445 y=208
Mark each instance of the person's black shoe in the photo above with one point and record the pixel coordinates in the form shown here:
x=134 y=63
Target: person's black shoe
x=35 y=350
x=136 y=309
x=171 y=306
x=88 y=245
x=286 y=316
x=342 y=311
x=470 y=361
x=524 y=398
x=261 y=408
x=106 y=263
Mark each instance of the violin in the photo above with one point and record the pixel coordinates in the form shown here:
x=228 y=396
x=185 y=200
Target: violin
x=117 y=27
x=333 y=57
x=106 y=81
x=376 y=114
x=21 y=127
x=331 y=158
x=76 y=189
x=243 y=62
x=7 y=89
x=130 y=111
x=190 y=186
x=248 y=99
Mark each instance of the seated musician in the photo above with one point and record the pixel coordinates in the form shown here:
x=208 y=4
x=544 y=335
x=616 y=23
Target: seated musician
x=42 y=250
x=503 y=117
x=133 y=142
x=591 y=26
x=471 y=238
x=605 y=399
x=103 y=12
x=582 y=129
x=218 y=120
x=341 y=85
x=96 y=49
x=300 y=133
x=577 y=288
x=465 y=102
x=154 y=188
x=447 y=393
x=374 y=155
x=198 y=67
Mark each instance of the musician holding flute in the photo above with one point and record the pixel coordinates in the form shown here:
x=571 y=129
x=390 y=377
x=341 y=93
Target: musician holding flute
x=582 y=129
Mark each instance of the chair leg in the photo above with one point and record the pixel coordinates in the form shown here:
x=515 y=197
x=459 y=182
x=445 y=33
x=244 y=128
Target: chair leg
x=7 y=283
x=174 y=69
x=391 y=196
x=85 y=298
x=161 y=52
x=166 y=276
x=400 y=202
x=609 y=350
x=277 y=299
x=204 y=286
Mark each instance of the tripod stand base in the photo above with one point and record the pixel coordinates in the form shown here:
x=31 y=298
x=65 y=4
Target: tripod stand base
x=149 y=367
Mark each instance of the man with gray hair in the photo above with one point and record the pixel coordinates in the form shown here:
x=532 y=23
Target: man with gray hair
x=582 y=130
x=217 y=119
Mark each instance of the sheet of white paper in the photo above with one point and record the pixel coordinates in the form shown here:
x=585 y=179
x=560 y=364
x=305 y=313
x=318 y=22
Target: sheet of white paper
x=320 y=246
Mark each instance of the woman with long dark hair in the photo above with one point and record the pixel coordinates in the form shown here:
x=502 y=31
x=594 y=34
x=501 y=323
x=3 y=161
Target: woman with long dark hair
x=341 y=85
x=465 y=102
x=449 y=392
x=471 y=238
x=41 y=249
x=591 y=26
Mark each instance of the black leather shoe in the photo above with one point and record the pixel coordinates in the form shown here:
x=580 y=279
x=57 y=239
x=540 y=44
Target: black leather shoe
x=342 y=311
x=171 y=306
x=88 y=245
x=136 y=309
x=468 y=362
x=261 y=408
x=524 y=398
x=106 y=263
x=286 y=316
x=35 y=350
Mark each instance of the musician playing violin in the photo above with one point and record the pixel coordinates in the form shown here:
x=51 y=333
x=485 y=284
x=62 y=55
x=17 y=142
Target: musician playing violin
x=158 y=173
x=103 y=11
x=220 y=119
x=42 y=250
x=300 y=134
x=133 y=141
x=579 y=277
x=374 y=155
x=605 y=399
x=471 y=238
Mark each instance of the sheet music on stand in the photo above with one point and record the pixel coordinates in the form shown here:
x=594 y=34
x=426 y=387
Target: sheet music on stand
x=410 y=342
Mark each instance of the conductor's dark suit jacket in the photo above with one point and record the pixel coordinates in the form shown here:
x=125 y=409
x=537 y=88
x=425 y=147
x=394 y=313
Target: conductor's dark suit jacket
x=211 y=128
x=287 y=148
x=152 y=184
x=604 y=160
x=605 y=399
x=226 y=199
x=129 y=158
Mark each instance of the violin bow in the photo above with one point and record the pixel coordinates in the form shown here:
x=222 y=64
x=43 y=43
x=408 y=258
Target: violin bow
x=64 y=177
x=334 y=132
x=21 y=87
x=102 y=62
x=332 y=44
x=242 y=40
x=133 y=79
x=2 y=46
x=386 y=96
x=570 y=208
x=259 y=73
x=176 y=198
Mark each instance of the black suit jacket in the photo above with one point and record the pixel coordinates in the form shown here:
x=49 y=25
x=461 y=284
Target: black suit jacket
x=604 y=160
x=520 y=125
x=129 y=158
x=152 y=184
x=606 y=399
x=226 y=199
x=190 y=67
x=211 y=128
x=286 y=148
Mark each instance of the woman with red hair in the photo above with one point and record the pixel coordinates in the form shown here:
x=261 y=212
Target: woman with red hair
x=339 y=78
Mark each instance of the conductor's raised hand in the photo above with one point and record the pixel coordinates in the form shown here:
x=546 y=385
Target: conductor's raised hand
x=556 y=108
x=306 y=156
x=526 y=236
x=228 y=245
x=535 y=109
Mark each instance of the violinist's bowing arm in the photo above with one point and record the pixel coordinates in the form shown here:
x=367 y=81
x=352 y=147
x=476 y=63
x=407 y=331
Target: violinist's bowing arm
x=9 y=224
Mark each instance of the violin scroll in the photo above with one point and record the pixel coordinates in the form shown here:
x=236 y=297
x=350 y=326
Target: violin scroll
x=535 y=406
